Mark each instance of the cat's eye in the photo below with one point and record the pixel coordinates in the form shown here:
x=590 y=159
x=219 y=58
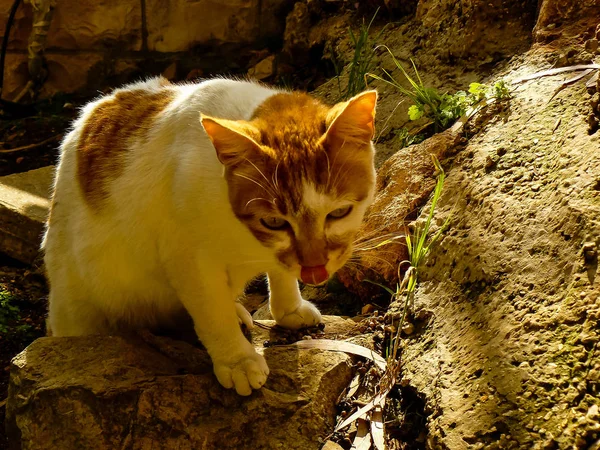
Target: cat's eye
x=340 y=212
x=274 y=223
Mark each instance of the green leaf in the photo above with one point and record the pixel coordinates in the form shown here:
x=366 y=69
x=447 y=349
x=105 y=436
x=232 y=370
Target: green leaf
x=415 y=113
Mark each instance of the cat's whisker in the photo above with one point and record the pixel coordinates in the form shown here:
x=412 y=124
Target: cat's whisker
x=329 y=175
x=381 y=260
x=328 y=166
x=275 y=179
x=363 y=240
x=338 y=173
x=258 y=198
x=268 y=191
x=263 y=175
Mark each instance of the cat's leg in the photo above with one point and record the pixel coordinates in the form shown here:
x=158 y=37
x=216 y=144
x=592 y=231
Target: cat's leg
x=244 y=316
x=71 y=312
x=288 y=308
x=211 y=303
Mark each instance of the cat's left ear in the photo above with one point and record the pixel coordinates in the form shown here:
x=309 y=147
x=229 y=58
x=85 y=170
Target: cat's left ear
x=353 y=121
x=231 y=139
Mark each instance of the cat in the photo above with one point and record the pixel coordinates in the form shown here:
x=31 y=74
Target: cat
x=169 y=198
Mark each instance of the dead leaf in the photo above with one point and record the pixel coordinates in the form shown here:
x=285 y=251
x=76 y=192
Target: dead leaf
x=354 y=385
x=361 y=412
x=545 y=73
x=362 y=440
x=377 y=427
x=342 y=346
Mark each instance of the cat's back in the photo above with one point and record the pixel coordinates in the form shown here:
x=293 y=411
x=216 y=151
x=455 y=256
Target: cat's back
x=148 y=126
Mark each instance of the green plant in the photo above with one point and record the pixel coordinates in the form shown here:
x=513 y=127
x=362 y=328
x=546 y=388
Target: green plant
x=404 y=139
x=442 y=109
x=9 y=312
x=362 y=60
x=419 y=244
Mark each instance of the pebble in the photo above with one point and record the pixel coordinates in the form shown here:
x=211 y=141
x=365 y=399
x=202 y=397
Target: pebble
x=369 y=308
x=408 y=329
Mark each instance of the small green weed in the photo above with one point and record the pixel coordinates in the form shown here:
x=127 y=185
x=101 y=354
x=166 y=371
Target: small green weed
x=403 y=138
x=419 y=244
x=442 y=109
x=362 y=60
x=9 y=312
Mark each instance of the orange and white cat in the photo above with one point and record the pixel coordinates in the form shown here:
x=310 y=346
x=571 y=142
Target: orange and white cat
x=170 y=198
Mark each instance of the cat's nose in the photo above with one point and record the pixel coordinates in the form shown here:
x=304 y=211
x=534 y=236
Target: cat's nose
x=314 y=274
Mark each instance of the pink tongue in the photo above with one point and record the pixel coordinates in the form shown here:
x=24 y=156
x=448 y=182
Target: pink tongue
x=314 y=275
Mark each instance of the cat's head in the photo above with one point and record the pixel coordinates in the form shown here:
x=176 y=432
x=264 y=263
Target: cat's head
x=300 y=177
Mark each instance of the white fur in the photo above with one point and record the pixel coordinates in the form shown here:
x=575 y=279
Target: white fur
x=166 y=238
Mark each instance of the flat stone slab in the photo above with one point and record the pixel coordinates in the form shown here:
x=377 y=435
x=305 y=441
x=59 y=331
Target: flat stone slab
x=149 y=392
x=24 y=206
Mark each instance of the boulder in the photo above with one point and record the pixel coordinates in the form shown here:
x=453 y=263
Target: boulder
x=144 y=391
x=559 y=17
x=179 y=25
x=76 y=25
x=404 y=182
x=24 y=205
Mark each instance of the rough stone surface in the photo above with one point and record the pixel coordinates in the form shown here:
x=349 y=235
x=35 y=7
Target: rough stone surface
x=178 y=25
x=24 y=206
x=404 y=182
x=111 y=392
x=264 y=69
x=87 y=34
x=556 y=17
x=81 y=25
x=508 y=357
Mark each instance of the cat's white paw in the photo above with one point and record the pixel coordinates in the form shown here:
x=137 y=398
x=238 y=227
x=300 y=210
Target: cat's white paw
x=306 y=315
x=247 y=371
x=243 y=315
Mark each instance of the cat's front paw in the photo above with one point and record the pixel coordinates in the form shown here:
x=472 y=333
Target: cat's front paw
x=306 y=315
x=245 y=371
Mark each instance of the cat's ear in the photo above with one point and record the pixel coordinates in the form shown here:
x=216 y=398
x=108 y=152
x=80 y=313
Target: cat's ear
x=231 y=140
x=353 y=121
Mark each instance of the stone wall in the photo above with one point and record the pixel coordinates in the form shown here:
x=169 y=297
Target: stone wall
x=96 y=40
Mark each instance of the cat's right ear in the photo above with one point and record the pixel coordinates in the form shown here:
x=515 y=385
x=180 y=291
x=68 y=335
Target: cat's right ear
x=231 y=140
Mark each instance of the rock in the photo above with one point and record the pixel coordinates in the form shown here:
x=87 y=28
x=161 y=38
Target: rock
x=591 y=45
x=24 y=206
x=194 y=74
x=171 y=71
x=263 y=313
x=88 y=39
x=171 y=26
x=81 y=25
x=566 y=13
x=264 y=69
x=330 y=445
x=108 y=392
x=404 y=182
x=296 y=36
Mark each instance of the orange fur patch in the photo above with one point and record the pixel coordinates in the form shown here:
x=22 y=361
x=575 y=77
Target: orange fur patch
x=111 y=129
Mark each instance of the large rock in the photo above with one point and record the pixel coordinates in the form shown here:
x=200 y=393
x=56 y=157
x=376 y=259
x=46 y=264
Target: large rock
x=508 y=358
x=475 y=29
x=24 y=205
x=110 y=392
x=559 y=17
x=404 y=183
x=76 y=25
x=84 y=34
x=179 y=25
